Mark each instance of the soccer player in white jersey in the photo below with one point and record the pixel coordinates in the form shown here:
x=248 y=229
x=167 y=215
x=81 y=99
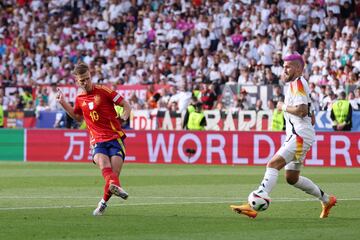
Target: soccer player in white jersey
x=300 y=135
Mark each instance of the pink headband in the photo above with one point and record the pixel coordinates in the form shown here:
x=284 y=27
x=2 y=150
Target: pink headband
x=294 y=57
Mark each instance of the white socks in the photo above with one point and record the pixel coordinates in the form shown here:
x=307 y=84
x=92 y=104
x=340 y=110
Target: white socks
x=305 y=184
x=270 y=179
x=311 y=188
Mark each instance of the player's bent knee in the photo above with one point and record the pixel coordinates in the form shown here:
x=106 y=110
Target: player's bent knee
x=102 y=160
x=276 y=162
x=292 y=181
x=292 y=176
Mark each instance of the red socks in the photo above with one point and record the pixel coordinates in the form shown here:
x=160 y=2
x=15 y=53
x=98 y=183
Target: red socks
x=110 y=177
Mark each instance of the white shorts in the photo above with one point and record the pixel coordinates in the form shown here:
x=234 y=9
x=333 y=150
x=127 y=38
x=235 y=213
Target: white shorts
x=294 y=151
x=296 y=166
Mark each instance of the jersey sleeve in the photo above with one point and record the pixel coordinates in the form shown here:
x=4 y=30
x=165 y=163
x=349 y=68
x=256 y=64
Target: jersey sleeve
x=113 y=95
x=77 y=108
x=300 y=92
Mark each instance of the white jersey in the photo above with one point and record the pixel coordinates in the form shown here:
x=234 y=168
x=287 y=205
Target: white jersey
x=297 y=93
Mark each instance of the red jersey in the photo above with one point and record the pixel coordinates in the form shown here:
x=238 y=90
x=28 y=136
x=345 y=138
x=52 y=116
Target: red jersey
x=97 y=108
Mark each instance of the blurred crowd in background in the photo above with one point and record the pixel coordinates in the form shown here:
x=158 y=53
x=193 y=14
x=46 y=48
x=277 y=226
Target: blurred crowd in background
x=193 y=47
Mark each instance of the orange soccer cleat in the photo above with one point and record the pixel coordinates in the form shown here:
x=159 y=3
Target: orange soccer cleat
x=244 y=209
x=327 y=206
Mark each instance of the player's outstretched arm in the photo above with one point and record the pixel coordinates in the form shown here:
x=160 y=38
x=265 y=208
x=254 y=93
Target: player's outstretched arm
x=313 y=121
x=66 y=106
x=298 y=110
x=127 y=109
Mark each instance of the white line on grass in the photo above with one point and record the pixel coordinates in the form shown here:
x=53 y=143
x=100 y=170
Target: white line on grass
x=157 y=197
x=132 y=197
x=168 y=203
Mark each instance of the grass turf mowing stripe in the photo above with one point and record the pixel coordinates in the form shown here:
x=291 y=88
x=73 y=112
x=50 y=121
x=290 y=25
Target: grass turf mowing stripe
x=170 y=203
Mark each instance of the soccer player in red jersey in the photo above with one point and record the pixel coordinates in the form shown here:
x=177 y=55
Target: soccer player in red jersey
x=95 y=104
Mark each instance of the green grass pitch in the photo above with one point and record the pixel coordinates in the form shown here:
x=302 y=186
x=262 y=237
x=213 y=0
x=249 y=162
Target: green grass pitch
x=56 y=200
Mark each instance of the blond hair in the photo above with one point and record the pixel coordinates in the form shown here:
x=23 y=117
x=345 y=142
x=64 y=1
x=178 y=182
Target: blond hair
x=81 y=69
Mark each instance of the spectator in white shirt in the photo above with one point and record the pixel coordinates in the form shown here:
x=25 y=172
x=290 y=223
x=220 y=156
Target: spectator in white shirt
x=266 y=51
x=317 y=11
x=328 y=100
x=114 y=10
x=245 y=77
x=41 y=107
x=173 y=32
x=354 y=98
x=336 y=87
x=226 y=66
x=320 y=61
x=318 y=26
x=225 y=21
x=349 y=27
x=333 y=6
x=215 y=74
x=331 y=21
x=182 y=98
x=102 y=27
x=316 y=75
x=204 y=39
x=140 y=33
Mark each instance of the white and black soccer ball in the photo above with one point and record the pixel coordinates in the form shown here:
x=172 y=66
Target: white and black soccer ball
x=259 y=200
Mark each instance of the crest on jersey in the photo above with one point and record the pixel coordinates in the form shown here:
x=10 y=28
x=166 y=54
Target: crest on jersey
x=91 y=105
x=97 y=99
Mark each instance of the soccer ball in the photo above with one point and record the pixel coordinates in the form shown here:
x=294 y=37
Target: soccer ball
x=259 y=200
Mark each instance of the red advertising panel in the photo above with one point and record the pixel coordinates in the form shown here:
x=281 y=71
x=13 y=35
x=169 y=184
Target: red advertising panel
x=185 y=147
x=57 y=145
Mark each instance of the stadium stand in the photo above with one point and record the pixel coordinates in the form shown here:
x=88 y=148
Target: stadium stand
x=187 y=45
